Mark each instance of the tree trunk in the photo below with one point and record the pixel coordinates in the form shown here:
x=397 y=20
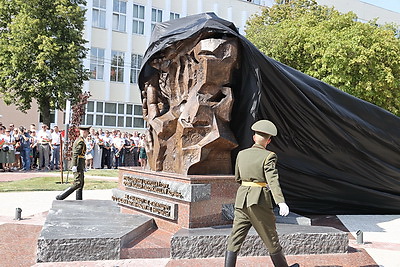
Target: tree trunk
x=44 y=108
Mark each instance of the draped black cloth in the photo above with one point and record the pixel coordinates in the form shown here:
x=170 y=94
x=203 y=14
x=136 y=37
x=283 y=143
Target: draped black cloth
x=337 y=154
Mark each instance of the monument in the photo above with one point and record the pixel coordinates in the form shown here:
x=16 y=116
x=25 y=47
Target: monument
x=194 y=77
x=187 y=105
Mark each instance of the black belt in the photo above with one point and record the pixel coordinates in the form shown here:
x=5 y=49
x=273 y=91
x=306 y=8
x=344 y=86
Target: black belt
x=44 y=144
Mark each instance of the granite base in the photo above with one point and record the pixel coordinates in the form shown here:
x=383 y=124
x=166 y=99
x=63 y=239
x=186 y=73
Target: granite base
x=295 y=239
x=88 y=230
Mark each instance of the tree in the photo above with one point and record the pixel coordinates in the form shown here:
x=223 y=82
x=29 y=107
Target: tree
x=361 y=59
x=41 y=52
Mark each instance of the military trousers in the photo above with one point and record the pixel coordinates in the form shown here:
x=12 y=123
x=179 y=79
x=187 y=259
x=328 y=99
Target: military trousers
x=79 y=179
x=262 y=218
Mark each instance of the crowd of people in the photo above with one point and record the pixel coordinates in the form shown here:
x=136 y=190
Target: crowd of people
x=23 y=149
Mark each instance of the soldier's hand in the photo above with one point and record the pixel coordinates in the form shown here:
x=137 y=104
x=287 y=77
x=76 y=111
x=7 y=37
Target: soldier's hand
x=74 y=169
x=283 y=209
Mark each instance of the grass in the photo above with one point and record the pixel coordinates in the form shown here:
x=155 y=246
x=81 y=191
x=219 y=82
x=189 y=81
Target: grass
x=53 y=184
x=103 y=172
x=95 y=172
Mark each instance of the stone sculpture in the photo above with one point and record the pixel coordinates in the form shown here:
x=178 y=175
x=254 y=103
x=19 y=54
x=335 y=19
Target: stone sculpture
x=187 y=106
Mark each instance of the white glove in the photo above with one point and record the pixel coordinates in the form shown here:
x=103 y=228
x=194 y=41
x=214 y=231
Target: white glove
x=283 y=209
x=74 y=169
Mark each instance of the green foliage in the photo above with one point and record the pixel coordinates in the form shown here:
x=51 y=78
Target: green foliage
x=361 y=59
x=41 y=52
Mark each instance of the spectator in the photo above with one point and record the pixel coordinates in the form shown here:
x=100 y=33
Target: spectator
x=118 y=144
x=25 y=145
x=98 y=144
x=142 y=151
x=32 y=127
x=89 y=152
x=128 y=159
x=9 y=148
x=135 y=143
x=34 y=149
x=55 y=145
x=44 y=141
x=17 y=165
x=106 y=153
x=11 y=127
x=2 y=144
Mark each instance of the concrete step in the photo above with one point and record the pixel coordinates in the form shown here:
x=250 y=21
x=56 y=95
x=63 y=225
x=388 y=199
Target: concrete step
x=295 y=239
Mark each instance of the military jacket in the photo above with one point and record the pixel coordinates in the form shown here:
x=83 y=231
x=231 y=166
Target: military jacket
x=78 y=153
x=256 y=164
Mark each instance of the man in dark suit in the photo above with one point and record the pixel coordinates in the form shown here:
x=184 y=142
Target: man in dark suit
x=78 y=165
x=256 y=171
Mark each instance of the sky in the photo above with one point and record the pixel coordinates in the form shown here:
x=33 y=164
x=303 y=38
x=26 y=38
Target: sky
x=393 y=5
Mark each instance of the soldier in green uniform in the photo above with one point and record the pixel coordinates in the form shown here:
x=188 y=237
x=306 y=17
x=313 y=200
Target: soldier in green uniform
x=78 y=165
x=256 y=171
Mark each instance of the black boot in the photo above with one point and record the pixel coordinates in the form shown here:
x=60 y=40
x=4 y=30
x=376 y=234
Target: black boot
x=66 y=193
x=230 y=258
x=278 y=259
x=79 y=194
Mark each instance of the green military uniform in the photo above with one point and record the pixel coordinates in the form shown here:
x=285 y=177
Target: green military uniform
x=253 y=205
x=256 y=171
x=78 y=160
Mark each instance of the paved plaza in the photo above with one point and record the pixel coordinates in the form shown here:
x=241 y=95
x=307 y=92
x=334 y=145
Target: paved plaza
x=381 y=236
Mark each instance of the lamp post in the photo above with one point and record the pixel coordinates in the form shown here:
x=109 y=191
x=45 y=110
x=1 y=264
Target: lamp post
x=64 y=160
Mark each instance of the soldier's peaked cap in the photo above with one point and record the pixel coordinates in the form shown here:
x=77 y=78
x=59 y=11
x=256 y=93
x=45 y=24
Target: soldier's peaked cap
x=265 y=127
x=84 y=127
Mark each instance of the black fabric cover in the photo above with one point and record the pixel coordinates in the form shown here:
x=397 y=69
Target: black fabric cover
x=337 y=154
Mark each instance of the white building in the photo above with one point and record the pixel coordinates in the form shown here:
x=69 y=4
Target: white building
x=118 y=32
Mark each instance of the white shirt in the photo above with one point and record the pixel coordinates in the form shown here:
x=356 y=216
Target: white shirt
x=9 y=140
x=43 y=136
x=136 y=140
x=108 y=140
x=118 y=142
x=55 y=138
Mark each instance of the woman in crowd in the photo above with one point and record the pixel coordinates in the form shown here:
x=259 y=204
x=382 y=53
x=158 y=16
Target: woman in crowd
x=129 y=145
x=2 y=152
x=89 y=152
x=142 y=151
x=18 y=165
x=98 y=143
x=34 y=147
x=25 y=148
x=9 y=148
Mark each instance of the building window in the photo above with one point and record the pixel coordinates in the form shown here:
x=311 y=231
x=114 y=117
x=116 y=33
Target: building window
x=119 y=15
x=117 y=66
x=156 y=16
x=111 y=114
x=99 y=13
x=96 y=63
x=138 y=19
x=173 y=15
x=136 y=62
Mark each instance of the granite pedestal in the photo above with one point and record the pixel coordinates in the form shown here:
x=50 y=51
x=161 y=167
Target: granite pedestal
x=175 y=201
x=88 y=230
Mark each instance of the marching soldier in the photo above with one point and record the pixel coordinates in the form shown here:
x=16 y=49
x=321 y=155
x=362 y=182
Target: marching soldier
x=256 y=171
x=78 y=165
